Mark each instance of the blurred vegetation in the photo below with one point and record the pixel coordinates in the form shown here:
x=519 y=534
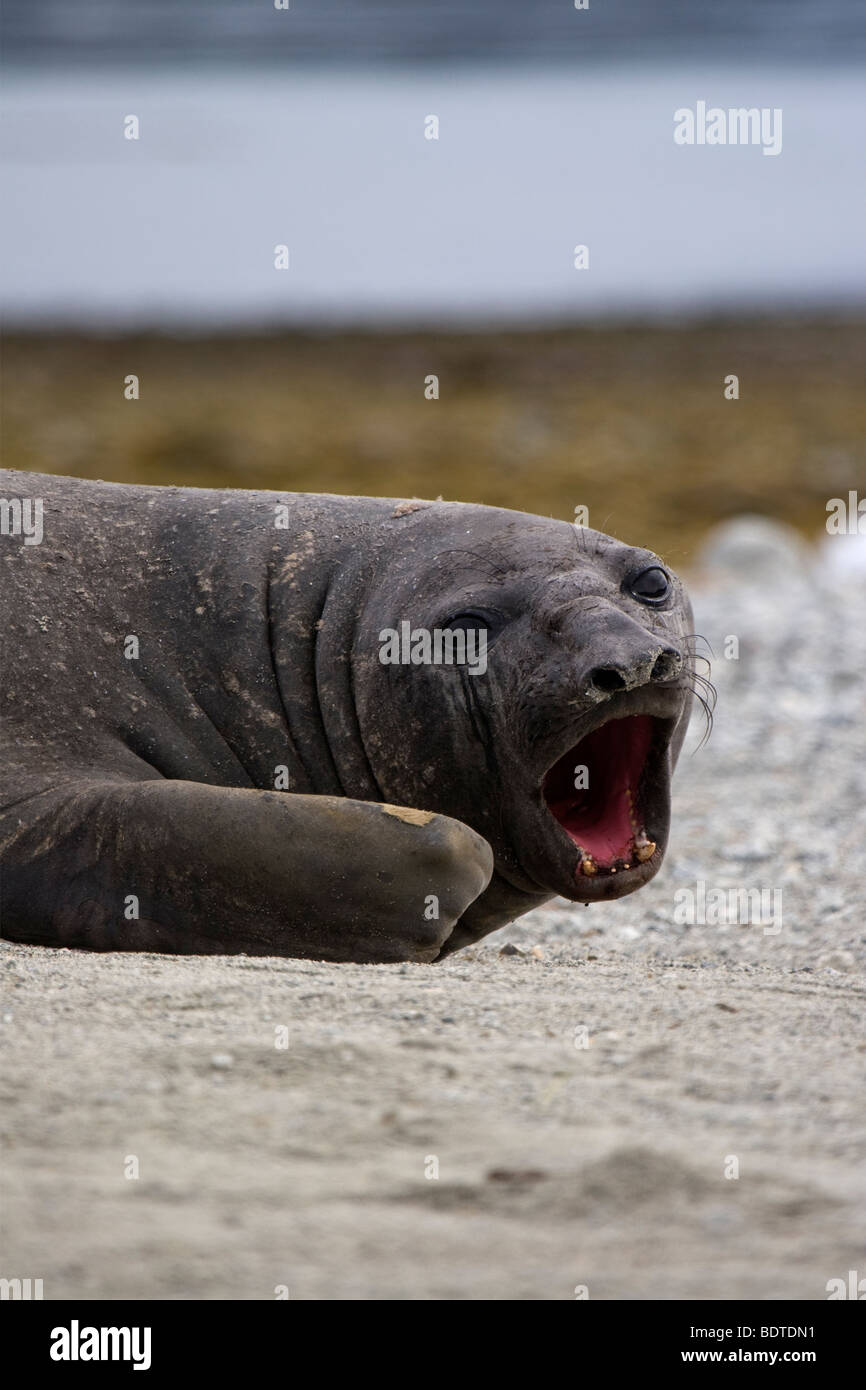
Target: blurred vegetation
x=631 y=421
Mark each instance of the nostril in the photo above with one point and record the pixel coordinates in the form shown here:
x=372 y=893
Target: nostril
x=607 y=679
x=667 y=665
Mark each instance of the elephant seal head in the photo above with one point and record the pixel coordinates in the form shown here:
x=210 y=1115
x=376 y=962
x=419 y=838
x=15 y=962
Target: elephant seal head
x=553 y=731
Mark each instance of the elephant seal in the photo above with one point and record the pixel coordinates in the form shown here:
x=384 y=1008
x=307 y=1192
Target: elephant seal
x=220 y=735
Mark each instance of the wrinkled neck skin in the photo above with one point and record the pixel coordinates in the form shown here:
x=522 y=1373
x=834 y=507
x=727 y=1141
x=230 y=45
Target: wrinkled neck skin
x=315 y=575
x=334 y=582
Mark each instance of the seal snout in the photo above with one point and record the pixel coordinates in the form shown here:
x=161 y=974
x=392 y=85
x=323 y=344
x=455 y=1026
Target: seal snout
x=658 y=666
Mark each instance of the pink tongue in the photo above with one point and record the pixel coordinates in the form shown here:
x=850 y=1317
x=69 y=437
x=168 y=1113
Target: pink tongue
x=608 y=837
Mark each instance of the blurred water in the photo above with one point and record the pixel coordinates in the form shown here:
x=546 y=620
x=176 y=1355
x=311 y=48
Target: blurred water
x=116 y=32
x=383 y=225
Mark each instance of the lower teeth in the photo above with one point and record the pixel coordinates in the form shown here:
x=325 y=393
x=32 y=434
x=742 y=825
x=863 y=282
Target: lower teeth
x=644 y=849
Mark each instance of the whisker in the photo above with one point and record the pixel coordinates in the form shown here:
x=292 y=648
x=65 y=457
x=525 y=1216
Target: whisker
x=698 y=637
x=697 y=685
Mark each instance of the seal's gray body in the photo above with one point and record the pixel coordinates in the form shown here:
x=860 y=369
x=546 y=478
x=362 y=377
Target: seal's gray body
x=203 y=750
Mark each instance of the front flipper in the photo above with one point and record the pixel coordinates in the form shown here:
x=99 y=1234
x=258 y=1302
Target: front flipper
x=190 y=868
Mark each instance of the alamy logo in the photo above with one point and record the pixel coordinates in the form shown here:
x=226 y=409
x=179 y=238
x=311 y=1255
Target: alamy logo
x=739 y=125
x=23 y=1289
x=75 y=1343
x=441 y=647
x=846 y=518
x=723 y=907
x=854 y=1289
x=22 y=516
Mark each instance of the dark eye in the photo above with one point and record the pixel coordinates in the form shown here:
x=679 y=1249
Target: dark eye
x=651 y=585
x=474 y=619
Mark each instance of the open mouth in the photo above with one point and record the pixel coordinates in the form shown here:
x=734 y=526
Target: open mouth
x=597 y=792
